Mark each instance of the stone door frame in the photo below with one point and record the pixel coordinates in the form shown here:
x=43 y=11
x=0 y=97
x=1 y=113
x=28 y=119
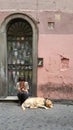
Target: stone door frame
x=3 y=38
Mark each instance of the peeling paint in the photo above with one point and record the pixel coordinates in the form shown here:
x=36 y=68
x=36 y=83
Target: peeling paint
x=64 y=63
x=2 y=73
x=57 y=90
x=57 y=87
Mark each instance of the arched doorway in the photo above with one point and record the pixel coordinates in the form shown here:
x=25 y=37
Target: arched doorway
x=21 y=51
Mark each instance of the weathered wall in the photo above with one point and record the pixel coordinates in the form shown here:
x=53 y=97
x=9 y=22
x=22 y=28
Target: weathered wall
x=64 y=5
x=55 y=46
x=55 y=78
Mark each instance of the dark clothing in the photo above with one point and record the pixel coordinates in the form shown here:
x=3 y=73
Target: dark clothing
x=22 y=96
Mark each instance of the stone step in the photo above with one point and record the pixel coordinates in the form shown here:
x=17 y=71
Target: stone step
x=9 y=98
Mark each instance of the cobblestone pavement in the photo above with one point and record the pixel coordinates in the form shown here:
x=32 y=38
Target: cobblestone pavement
x=60 y=117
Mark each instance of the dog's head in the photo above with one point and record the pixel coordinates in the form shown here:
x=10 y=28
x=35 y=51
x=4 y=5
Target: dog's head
x=48 y=103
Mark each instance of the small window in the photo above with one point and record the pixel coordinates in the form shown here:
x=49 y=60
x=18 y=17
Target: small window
x=51 y=25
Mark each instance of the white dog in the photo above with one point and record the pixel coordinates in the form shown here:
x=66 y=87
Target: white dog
x=35 y=102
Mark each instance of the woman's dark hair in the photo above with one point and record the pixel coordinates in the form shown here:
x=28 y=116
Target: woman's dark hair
x=21 y=79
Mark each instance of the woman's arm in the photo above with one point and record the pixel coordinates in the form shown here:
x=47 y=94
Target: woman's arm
x=18 y=87
x=27 y=85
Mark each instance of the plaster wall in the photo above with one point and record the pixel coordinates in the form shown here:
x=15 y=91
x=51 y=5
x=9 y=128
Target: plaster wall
x=17 y=5
x=55 y=78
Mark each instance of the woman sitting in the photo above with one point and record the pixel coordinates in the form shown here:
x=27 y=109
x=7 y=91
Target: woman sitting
x=22 y=89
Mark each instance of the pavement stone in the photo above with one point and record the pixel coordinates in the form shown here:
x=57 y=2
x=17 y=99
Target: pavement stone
x=12 y=117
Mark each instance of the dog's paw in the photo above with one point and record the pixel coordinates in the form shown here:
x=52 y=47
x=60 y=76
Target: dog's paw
x=23 y=108
x=51 y=106
x=46 y=108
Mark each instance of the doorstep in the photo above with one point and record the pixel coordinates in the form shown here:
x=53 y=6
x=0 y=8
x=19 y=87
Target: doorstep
x=9 y=98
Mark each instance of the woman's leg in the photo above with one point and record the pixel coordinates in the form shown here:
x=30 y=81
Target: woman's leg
x=19 y=94
x=22 y=96
x=25 y=95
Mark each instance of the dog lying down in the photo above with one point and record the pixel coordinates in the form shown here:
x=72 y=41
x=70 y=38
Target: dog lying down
x=37 y=102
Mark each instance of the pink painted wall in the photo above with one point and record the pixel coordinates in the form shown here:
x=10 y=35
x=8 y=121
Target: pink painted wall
x=55 y=78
